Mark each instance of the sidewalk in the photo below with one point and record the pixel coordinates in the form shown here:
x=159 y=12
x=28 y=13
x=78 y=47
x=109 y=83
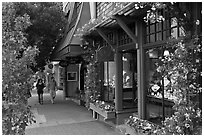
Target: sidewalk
x=65 y=118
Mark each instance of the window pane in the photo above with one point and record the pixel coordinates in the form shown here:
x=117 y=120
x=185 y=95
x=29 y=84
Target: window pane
x=154 y=86
x=159 y=36
x=174 y=33
x=127 y=73
x=164 y=35
x=147 y=30
x=166 y=25
x=159 y=26
x=147 y=39
x=111 y=74
x=109 y=81
x=174 y=22
x=181 y=31
x=152 y=28
x=152 y=38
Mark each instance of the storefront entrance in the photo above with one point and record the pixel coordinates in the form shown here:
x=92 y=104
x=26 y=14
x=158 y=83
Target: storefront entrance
x=129 y=59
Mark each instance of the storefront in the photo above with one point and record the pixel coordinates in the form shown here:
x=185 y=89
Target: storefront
x=128 y=50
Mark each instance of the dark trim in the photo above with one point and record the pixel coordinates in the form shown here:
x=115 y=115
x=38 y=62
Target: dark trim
x=159 y=43
x=128 y=46
x=102 y=34
x=126 y=29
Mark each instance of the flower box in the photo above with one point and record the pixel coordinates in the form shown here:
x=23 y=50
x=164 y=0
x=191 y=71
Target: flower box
x=98 y=111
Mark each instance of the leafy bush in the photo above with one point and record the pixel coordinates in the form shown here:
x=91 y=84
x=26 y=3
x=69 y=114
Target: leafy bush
x=186 y=121
x=17 y=56
x=92 y=93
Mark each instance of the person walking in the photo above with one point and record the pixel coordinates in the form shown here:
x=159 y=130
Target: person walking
x=40 y=85
x=41 y=75
x=52 y=87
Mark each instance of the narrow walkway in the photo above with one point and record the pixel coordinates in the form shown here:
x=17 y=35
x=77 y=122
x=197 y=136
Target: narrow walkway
x=65 y=118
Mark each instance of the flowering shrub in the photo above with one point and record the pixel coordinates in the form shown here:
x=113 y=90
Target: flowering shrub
x=185 y=121
x=144 y=127
x=92 y=92
x=104 y=105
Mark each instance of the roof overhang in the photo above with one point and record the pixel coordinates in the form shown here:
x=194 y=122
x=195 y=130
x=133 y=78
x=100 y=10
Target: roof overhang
x=126 y=13
x=62 y=50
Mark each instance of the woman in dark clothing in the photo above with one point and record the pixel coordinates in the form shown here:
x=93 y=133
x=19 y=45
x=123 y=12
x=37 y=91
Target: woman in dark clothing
x=40 y=85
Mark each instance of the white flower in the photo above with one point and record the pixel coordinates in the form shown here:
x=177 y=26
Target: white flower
x=198 y=113
x=148 y=126
x=153 y=8
x=186 y=115
x=136 y=6
x=178 y=129
x=197 y=22
x=187 y=125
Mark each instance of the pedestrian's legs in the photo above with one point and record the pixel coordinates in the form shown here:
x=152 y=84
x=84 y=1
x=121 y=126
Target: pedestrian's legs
x=54 y=94
x=38 y=98
x=51 y=96
x=41 y=98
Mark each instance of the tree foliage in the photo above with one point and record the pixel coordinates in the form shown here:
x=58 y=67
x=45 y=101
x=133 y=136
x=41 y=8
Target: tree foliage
x=16 y=113
x=29 y=33
x=47 y=27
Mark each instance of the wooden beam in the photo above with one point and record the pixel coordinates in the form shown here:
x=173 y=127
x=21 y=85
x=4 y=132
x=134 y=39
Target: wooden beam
x=102 y=34
x=126 y=29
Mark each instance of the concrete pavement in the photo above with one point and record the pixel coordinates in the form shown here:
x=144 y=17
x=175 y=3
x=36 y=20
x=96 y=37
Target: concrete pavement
x=65 y=118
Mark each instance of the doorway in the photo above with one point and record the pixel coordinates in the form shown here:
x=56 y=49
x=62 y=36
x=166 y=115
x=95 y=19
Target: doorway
x=129 y=59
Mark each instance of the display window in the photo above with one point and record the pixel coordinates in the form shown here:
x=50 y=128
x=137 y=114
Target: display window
x=109 y=81
x=129 y=79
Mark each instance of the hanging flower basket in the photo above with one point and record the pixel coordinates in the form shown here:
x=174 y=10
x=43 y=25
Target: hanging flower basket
x=105 y=111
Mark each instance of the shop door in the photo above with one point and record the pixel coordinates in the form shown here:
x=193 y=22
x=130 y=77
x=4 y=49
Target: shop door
x=129 y=79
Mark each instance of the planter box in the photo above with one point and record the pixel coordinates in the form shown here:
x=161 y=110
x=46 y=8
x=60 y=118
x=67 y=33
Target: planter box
x=97 y=111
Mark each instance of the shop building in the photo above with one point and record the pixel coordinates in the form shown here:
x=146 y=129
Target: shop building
x=127 y=49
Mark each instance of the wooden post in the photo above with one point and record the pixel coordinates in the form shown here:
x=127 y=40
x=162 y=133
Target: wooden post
x=140 y=71
x=118 y=81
